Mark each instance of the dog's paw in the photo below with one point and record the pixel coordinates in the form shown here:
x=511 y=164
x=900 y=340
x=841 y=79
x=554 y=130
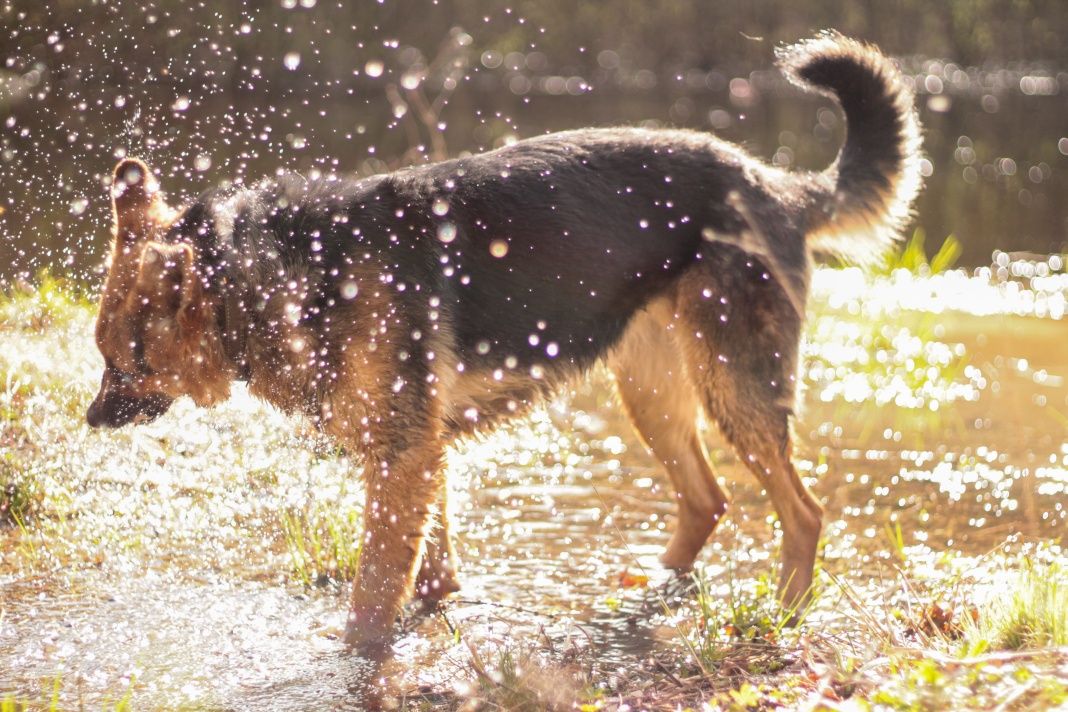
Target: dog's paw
x=434 y=584
x=367 y=633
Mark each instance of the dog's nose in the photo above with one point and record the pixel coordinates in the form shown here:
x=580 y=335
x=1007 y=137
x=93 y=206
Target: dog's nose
x=96 y=416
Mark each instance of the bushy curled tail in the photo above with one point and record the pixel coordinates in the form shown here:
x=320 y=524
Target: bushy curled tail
x=877 y=173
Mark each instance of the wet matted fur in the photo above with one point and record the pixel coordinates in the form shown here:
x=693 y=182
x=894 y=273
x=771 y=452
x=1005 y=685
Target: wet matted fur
x=402 y=311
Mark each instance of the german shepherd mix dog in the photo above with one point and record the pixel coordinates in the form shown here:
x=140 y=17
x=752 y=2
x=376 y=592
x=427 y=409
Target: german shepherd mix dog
x=402 y=311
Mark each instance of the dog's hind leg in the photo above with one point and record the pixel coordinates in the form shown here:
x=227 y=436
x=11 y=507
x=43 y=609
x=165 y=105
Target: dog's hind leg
x=437 y=572
x=663 y=407
x=760 y=435
x=741 y=352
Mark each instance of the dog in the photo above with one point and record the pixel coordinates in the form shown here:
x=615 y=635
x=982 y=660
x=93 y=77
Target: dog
x=402 y=311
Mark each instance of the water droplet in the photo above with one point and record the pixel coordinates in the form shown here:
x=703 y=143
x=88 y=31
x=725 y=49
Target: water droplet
x=446 y=232
x=292 y=313
x=180 y=104
x=349 y=289
x=374 y=68
x=440 y=207
x=498 y=248
x=291 y=60
x=202 y=162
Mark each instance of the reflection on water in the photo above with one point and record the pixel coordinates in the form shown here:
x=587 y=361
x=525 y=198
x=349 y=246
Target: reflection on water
x=938 y=404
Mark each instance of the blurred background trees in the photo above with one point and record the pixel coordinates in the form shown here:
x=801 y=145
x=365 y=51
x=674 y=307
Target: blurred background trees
x=220 y=90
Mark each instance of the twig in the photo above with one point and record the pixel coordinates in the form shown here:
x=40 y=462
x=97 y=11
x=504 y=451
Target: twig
x=520 y=609
x=998 y=657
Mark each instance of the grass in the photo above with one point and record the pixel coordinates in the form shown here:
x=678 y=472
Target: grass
x=518 y=681
x=749 y=615
x=948 y=647
x=902 y=364
x=324 y=544
x=50 y=700
x=50 y=302
x=1008 y=651
x=20 y=492
x=1032 y=614
x=912 y=257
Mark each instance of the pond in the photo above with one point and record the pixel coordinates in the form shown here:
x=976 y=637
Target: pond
x=161 y=567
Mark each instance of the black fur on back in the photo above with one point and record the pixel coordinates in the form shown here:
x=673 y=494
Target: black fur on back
x=596 y=223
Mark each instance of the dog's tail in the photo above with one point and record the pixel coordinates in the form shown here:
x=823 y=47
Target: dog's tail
x=877 y=173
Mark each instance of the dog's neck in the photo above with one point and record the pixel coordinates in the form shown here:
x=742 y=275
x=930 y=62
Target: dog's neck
x=233 y=324
x=222 y=256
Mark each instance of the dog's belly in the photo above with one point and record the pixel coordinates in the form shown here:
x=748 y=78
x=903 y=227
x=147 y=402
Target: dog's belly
x=479 y=400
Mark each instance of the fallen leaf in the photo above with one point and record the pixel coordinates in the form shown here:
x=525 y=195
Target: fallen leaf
x=629 y=580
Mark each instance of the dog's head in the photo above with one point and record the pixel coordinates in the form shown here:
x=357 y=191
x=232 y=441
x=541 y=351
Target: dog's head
x=157 y=328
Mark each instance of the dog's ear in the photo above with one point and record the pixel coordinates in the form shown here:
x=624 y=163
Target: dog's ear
x=169 y=281
x=136 y=200
x=169 y=272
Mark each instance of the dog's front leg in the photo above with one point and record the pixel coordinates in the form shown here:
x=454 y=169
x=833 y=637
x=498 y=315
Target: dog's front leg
x=437 y=573
x=401 y=487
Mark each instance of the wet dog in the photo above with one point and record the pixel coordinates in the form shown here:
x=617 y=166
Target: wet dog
x=402 y=311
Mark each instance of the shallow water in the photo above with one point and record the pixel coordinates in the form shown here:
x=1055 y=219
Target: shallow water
x=160 y=573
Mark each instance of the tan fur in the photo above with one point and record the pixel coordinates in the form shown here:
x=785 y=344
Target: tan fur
x=754 y=419
x=658 y=395
x=181 y=342
x=156 y=284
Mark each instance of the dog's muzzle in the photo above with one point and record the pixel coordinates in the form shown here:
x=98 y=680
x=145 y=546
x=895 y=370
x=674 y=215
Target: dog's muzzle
x=112 y=409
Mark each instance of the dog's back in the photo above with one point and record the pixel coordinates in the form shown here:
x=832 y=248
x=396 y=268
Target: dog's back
x=568 y=234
